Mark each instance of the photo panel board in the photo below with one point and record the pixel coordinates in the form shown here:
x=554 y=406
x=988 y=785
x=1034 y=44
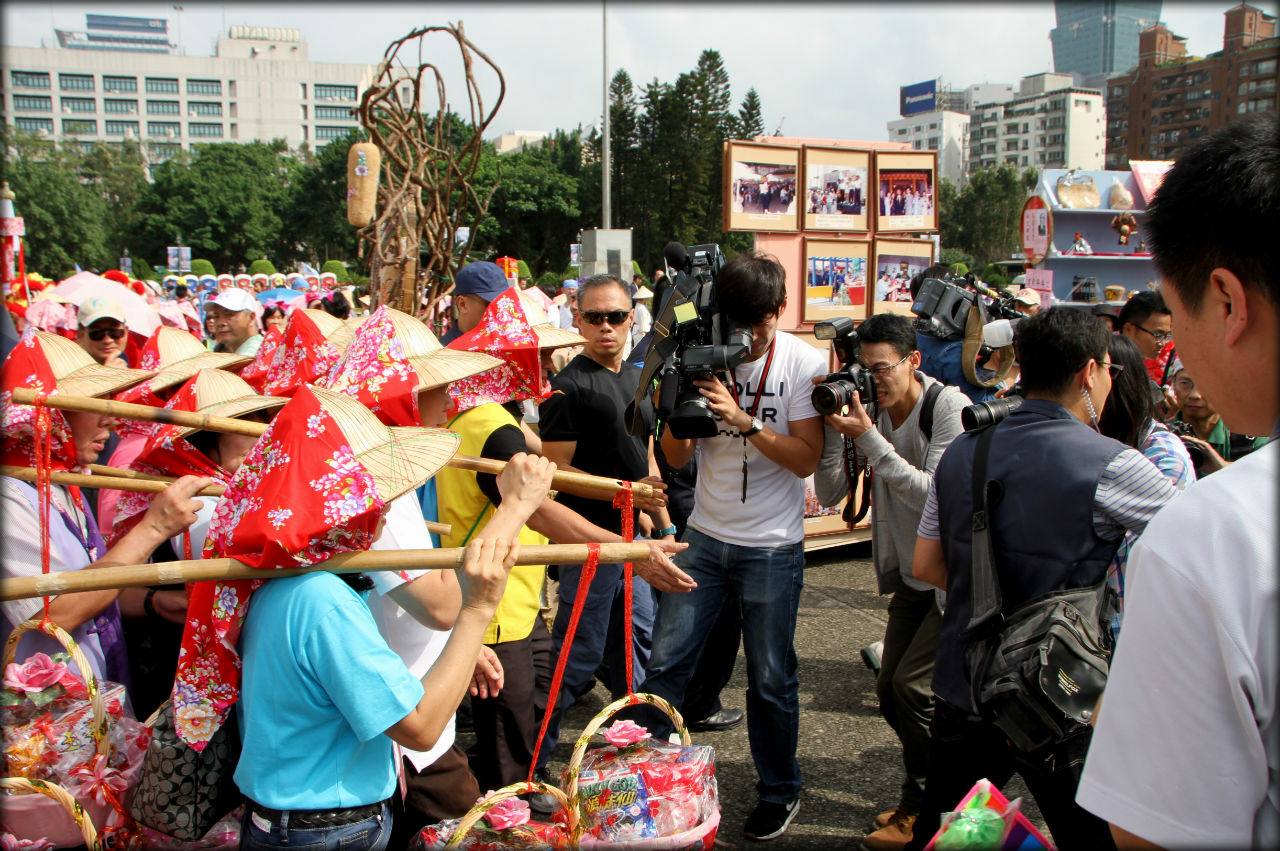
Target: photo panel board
x=895 y=263
x=762 y=188
x=835 y=278
x=906 y=191
x=837 y=194
x=820 y=519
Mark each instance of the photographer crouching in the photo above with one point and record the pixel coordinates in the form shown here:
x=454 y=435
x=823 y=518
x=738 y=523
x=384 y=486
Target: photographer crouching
x=1056 y=499
x=913 y=420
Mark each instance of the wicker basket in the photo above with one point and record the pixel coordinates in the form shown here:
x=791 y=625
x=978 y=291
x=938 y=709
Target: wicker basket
x=491 y=800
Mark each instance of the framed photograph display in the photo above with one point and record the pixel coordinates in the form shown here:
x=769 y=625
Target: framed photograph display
x=906 y=191
x=761 y=187
x=835 y=278
x=820 y=519
x=896 y=261
x=837 y=190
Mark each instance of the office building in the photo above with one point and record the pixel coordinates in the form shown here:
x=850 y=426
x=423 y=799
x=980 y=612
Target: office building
x=1096 y=38
x=936 y=117
x=1051 y=123
x=1170 y=99
x=519 y=140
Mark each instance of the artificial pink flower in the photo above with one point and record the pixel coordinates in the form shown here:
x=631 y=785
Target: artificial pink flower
x=624 y=733
x=98 y=778
x=9 y=842
x=34 y=675
x=512 y=812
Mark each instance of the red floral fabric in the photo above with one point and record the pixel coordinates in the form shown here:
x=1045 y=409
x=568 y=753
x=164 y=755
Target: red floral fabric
x=303 y=357
x=255 y=374
x=26 y=366
x=503 y=332
x=142 y=394
x=374 y=370
x=300 y=497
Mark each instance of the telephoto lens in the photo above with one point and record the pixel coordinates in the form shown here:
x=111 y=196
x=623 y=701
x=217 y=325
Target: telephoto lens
x=987 y=413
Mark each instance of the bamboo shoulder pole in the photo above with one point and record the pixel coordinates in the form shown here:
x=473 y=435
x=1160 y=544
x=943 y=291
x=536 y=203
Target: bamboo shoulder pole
x=580 y=484
x=204 y=570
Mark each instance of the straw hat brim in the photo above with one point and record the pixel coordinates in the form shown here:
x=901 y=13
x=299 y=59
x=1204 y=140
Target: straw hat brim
x=97 y=380
x=445 y=366
x=180 y=371
x=551 y=337
x=236 y=408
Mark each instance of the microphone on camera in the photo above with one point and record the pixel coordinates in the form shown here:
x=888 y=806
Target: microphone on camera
x=677 y=257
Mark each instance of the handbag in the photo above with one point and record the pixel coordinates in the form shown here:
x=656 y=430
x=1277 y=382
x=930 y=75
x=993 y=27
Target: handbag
x=1038 y=672
x=1078 y=192
x=183 y=792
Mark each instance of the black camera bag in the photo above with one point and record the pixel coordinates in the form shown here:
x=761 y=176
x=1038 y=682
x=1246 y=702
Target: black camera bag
x=1036 y=673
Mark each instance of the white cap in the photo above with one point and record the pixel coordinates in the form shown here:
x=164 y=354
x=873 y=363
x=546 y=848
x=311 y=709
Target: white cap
x=998 y=334
x=99 y=307
x=235 y=300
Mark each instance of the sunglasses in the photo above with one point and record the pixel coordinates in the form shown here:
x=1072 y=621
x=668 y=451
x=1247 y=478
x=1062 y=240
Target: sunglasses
x=98 y=334
x=599 y=317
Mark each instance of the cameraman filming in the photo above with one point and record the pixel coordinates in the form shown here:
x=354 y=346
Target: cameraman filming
x=917 y=418
x=1068 y=496
x=942 y=357
x=746 y=532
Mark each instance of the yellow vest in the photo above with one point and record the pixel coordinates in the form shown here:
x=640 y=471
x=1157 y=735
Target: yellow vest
x=465 y=507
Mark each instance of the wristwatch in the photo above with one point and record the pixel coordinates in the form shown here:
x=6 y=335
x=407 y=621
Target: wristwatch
x=756 y=427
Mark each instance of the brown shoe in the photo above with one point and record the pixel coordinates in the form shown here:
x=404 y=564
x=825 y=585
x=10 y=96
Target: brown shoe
x=893 y=836
x=885 y=817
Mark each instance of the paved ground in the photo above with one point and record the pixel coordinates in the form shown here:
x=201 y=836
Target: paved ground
x=850 y=758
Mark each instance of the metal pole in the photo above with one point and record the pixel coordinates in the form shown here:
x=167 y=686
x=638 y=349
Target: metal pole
x=605 y=167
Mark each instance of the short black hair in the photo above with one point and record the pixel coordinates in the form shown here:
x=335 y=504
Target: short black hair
x=1130 y=404
x=180 y=291
x=751 y=287
x=1139 y=309
x=937 y=270
x=600 y=281
x=272 y=310
x=892 y=328
x=336 y=304
x=1219 y=206
x=1054 y=344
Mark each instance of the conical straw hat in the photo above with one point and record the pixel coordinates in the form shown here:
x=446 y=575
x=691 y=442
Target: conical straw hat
x=79 y=374
x=549 y=336
x=182 y=356
x=399 y=459
x=436 y=366
x=342 y=337
x=333 y=328
x=224 y=394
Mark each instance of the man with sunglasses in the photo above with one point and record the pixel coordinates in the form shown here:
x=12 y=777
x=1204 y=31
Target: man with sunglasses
x=917 y=418
x=102 y=330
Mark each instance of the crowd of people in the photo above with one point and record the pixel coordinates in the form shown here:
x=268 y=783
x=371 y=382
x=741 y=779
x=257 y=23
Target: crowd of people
x=905 y=201
x=1089 y=477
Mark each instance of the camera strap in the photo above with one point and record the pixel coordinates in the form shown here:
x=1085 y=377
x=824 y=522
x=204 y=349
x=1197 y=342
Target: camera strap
x=985 y=599
x=755 y=405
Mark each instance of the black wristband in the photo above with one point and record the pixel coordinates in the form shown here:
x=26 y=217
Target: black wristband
x=148 y=604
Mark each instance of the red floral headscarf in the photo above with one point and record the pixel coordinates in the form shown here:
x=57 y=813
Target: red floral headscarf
x=256 y=372
x=374 y=370
x=504 y=332
x=303 y=357
x=300 y=497
x=142 y=394
x=26 y=366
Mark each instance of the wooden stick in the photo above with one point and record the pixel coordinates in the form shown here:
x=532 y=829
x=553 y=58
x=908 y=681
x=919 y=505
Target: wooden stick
x=203 y=570
x=149 y=484
x=580 y=484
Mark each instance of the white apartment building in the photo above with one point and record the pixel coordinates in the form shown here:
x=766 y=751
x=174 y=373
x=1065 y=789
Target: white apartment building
x=943 y=131
x=519 y=140
x=259 y=85
x=1049 y=124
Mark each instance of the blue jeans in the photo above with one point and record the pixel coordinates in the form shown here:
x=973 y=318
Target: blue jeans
x=768 y=582
x=371 y=834
x=599 y=639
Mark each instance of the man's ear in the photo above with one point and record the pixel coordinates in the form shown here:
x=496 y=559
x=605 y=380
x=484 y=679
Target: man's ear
x=1228 y=297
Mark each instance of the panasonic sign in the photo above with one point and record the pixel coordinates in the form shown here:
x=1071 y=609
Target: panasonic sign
x=919 y=97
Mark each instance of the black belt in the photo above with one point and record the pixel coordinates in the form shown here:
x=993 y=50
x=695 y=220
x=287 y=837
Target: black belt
x=312 y=819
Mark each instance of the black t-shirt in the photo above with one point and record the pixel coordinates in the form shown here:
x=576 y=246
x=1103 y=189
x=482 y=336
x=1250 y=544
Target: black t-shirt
x=504 y=443
x=587 y=405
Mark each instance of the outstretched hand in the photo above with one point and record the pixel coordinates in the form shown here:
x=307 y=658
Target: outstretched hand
x=175 y=508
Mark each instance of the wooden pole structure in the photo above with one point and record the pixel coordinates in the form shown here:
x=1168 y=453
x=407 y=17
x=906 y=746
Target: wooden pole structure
x=220 y=569
x=579 y=484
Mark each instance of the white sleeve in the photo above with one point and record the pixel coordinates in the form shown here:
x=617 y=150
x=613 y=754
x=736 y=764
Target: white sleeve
x=21 y=552
x=199 y=529
x=403 y=529
x=809 y=363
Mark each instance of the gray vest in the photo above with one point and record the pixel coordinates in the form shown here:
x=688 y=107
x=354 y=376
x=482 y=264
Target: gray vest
x=1042 y=531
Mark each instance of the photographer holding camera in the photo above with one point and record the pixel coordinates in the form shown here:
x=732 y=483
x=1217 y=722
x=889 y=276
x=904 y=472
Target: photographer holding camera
x=916 y=419
x=1057 y=498
x=746 y=531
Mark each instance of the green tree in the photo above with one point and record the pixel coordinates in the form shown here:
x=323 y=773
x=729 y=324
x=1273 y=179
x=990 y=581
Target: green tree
x=750 y=117
x=142 y=270
x=315 y=216
x=983 y=218
x=262 y=266
x=118 y=173
x=338 y=269
x=200 y=266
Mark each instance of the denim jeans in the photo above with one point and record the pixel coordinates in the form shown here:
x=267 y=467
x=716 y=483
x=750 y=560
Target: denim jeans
x=371 y=834
x=768 y=582
x=599 y=639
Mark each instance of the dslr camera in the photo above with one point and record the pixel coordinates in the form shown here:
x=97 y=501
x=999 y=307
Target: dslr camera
x=837 y=389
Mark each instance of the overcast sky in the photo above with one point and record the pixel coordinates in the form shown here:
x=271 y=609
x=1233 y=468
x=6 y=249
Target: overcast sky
x=826 y=70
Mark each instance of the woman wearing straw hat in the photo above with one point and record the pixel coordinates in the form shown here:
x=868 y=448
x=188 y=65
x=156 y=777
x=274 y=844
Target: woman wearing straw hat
x=47 y=362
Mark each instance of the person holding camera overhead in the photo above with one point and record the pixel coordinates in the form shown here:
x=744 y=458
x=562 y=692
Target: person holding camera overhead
x=941 y=357
x=746 y=531
x=916 y=418
x=1067 y=495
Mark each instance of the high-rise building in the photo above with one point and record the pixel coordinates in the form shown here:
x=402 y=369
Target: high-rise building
x=1049 y=124
x=1170 y=99
x=1095 y=38
x=936 y=117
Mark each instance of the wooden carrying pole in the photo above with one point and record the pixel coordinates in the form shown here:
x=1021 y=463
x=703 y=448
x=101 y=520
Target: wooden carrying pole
x=204 y=570
x=579 y=484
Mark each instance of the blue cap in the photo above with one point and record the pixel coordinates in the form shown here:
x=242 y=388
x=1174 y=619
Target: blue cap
x=569 y=284
x=481 y=278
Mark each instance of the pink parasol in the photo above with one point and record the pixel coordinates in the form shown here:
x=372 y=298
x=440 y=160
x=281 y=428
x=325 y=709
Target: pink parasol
x=140 y=317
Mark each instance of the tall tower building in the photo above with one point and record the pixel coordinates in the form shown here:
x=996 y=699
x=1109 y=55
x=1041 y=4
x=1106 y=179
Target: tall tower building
x=1097 y=38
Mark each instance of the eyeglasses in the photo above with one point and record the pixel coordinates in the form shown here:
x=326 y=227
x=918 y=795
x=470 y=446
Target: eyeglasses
x=1115 y=368
x=97 y=334
x=599 y=317
x=1161 y=337
x=882 y=371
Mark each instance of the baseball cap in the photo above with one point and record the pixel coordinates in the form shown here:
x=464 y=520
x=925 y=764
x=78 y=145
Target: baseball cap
x=1027 y=296
x=483 y=279
x=99 y=307
x=234 y=299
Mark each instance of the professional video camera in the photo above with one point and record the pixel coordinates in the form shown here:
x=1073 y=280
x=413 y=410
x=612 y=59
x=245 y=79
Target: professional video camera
x=944 y=303
x=693 y=338
x=837 y=389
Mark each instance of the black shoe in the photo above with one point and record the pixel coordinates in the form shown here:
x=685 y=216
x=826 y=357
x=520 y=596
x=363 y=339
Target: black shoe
x=725 y=719
x=769 y=820
x=871 y=656
x=542 y=803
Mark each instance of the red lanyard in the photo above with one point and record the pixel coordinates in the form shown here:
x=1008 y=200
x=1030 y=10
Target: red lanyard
x=755 y=405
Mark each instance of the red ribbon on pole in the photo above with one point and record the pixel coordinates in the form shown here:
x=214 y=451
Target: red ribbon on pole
x=624 y=500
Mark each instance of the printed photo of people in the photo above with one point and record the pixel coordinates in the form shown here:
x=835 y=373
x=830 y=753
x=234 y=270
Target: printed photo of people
x=836 y=280
x=767 y=188
x=906 y=193
x=836 y=190
x=893 y=276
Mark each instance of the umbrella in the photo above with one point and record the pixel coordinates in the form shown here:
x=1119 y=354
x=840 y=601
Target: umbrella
x=140 y=317
x=281 y=294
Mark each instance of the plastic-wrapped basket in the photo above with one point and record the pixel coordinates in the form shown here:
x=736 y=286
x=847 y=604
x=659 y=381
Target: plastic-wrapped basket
x=491 y=800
